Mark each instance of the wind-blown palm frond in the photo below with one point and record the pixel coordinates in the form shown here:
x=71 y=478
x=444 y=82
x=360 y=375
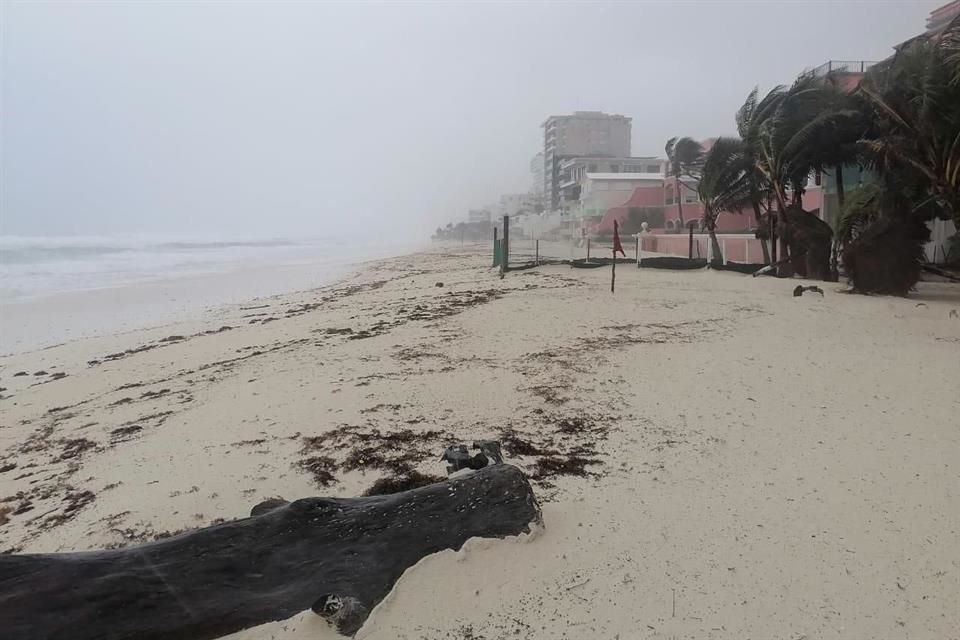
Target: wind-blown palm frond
x=688 y=155
x=684 y=157
x=913 y=102
x=668 y=148
x=725 y=183
x=745 y=114
x=799 y=133
x=949 y=44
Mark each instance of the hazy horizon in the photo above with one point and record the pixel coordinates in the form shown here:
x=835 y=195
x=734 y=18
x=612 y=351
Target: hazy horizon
x=278 y=119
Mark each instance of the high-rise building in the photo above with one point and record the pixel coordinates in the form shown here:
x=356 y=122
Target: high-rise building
x=585 y=133
x=536 y=174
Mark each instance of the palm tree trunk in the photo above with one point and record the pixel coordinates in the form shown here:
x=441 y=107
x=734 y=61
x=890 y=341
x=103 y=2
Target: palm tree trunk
x=835 y=246
x=841 y=195
x=772 y=229
x=785 y=270
x=679 y=203
x=758 y=217
x=717 y=252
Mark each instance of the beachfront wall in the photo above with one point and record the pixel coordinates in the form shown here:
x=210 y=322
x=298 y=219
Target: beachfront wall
x=660 y=195
x=736 y=247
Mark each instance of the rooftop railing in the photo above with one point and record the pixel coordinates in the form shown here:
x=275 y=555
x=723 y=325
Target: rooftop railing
x=840 y=66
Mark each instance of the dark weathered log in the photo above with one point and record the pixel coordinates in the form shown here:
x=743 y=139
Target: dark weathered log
x=338 y=556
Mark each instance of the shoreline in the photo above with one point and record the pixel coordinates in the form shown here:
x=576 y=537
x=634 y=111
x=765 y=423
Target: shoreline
x=767 y=465
x=51 y=318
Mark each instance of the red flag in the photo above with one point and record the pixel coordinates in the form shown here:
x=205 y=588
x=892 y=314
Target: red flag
x=616 y=240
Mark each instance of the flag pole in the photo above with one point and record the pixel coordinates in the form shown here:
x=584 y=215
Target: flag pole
x=613 y=265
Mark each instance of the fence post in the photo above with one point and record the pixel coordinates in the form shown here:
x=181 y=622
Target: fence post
x=690 y=243
x=536 y=259
x=496 y=249
x=746 y=250
x=588 y=249
x=773 y=238
x=723 y=248
x=505 y=251
x=638 y=251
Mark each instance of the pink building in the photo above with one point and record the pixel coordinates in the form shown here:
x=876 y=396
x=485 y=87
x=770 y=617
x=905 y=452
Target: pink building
x=662 y=195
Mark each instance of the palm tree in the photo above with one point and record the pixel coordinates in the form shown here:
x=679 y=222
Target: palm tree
x=912 y=104
x=794 y=136
x=749 y=118
x=913 y=101
x=685 y=156
x=726 y=184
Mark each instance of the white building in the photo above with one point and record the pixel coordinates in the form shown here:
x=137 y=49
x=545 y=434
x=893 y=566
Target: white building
x=602 y=191
x=573 y=172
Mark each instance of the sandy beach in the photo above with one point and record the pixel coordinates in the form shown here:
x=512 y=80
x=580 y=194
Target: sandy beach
x=715 y=458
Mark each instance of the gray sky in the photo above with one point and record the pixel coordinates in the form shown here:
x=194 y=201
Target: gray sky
x=310 y=117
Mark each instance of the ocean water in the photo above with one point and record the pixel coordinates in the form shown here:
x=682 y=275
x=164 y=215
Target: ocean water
x=57 y=289
x=37 y=266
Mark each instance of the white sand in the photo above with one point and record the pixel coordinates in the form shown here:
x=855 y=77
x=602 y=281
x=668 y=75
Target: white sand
x=775 y=467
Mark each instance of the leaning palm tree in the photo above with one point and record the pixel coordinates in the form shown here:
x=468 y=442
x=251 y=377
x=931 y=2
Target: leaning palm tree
x=726 y=184
x=685 y=156
x=750 y=117
x=914 y=103
x=795 y=137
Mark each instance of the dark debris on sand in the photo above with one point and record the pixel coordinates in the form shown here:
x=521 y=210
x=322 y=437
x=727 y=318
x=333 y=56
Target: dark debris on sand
x=548 y=445
x=566 y=466
x=321 y=468
x=367 y=448
x=560 y=444
x=357 y=448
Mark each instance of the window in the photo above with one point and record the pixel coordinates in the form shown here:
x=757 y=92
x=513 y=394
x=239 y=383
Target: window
x=592 y=168
x=690 y=197
x=653 y=168
x=614 y=168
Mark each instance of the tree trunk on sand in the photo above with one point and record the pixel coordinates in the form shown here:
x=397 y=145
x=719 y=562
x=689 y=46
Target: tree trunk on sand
x=835 y=247
x=758 y=217
x=711 y=224
x=772 y=224
x=676 y=184
x=338 y=556
x=717 y=253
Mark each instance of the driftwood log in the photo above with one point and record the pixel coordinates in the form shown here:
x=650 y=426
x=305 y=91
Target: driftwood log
x=338 y=556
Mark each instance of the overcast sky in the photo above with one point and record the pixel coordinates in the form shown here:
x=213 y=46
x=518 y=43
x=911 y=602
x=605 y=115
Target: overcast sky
x=318 y=117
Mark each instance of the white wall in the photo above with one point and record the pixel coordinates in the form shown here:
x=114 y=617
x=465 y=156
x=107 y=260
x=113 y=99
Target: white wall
x=599 y=195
